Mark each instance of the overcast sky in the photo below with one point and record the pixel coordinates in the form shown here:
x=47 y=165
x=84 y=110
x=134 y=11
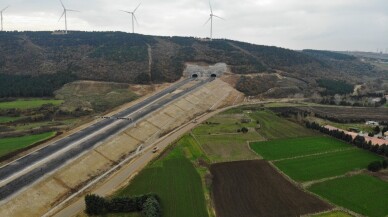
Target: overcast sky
x=295 y=24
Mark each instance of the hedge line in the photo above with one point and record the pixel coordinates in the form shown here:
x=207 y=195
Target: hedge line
x=358 y=141
x=148 y=204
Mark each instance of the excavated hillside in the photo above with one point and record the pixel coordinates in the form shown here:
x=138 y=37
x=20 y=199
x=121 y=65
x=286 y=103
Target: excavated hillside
x=140 y=59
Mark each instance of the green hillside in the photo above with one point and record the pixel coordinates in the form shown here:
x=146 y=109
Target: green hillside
x=33 y=58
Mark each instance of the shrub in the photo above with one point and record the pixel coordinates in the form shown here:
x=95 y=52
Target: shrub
x=385 y=164
x=95 y=205
x=151 y=207
x=244 y=130
x=375 y=166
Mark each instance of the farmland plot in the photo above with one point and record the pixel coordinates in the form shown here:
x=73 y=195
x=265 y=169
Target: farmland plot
x=288 y=148
x=254 y=188
x=326 y=165
x=362 y=193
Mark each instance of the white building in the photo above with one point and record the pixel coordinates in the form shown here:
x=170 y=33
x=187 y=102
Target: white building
x=372 y=123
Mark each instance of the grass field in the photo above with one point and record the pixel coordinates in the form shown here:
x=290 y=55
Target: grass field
x=175 y=179
x=362 y=193
x=8 y=119
x=326 y=165
x=223 y=148
x=333 y=214
x=224 y=123
x=222 y=143
x=8 y=145
x=28 y=104
x=274 y=127
x=220 y=140
x=99 y=96
x=288 y=148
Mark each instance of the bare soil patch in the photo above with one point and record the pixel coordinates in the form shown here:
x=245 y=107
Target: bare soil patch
x=255 y=188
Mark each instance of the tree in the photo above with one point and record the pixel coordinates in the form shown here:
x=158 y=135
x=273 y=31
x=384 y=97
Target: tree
x=376 y=130
x=95 y=205
x=375 y=166
x=244 y=130
x=385 y=164
x=151 y=207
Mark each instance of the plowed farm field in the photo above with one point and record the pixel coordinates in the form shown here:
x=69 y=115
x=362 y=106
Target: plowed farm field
x=255 y=188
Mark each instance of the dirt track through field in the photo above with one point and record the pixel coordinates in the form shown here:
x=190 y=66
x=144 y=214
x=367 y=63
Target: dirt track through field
x=254 y=188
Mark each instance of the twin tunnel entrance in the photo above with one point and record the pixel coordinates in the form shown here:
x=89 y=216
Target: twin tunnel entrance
x=195 y=75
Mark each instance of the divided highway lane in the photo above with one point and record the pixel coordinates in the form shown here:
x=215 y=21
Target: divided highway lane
x=51 y=165
x=20 y=164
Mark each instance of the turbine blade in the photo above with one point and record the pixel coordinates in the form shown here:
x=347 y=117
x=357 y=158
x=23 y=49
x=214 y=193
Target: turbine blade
x=126 y=12
x=218 y=17
x=137 y=7
x=62 y=4
x=72 y=10
x=136 y=19
x=63 y=14
x=207 y=21
x=5 y=8
x=211 y=9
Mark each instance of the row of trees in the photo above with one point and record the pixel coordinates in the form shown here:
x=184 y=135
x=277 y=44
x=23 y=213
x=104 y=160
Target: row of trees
x=358 y=141
x=148 y=204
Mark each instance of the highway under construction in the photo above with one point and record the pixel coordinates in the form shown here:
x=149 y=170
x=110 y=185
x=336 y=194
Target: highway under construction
x=26 y=170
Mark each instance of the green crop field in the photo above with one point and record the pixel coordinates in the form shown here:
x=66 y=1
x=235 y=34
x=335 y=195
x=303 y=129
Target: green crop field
x=175 y=179
x=7 y=119
x=8 y=145
x=361 y=193
x=326 y=165
x=288 y=148
x=28 y=104
x=333 y=214
x=275 y=127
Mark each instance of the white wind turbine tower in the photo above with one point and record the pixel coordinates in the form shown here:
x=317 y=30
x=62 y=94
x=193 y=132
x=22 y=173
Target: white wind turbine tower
x=65 y=10
x=1 y=14
x=211 y=20
x=132 y=13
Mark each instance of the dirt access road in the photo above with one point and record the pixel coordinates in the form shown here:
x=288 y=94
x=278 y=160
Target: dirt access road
x=126 y=172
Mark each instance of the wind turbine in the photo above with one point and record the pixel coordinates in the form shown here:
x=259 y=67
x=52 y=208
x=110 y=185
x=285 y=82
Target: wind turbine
x=65 y=10
x=1 y=14
x=132 y=13
x=211 y=20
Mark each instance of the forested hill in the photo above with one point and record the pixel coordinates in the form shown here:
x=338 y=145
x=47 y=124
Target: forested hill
x=133 y=58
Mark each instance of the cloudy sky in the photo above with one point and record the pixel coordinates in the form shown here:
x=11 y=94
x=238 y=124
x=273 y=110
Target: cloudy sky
x=296 y=24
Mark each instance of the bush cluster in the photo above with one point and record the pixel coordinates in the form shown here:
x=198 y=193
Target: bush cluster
x=243 y=130
x=148 y=204
x=376 y=166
